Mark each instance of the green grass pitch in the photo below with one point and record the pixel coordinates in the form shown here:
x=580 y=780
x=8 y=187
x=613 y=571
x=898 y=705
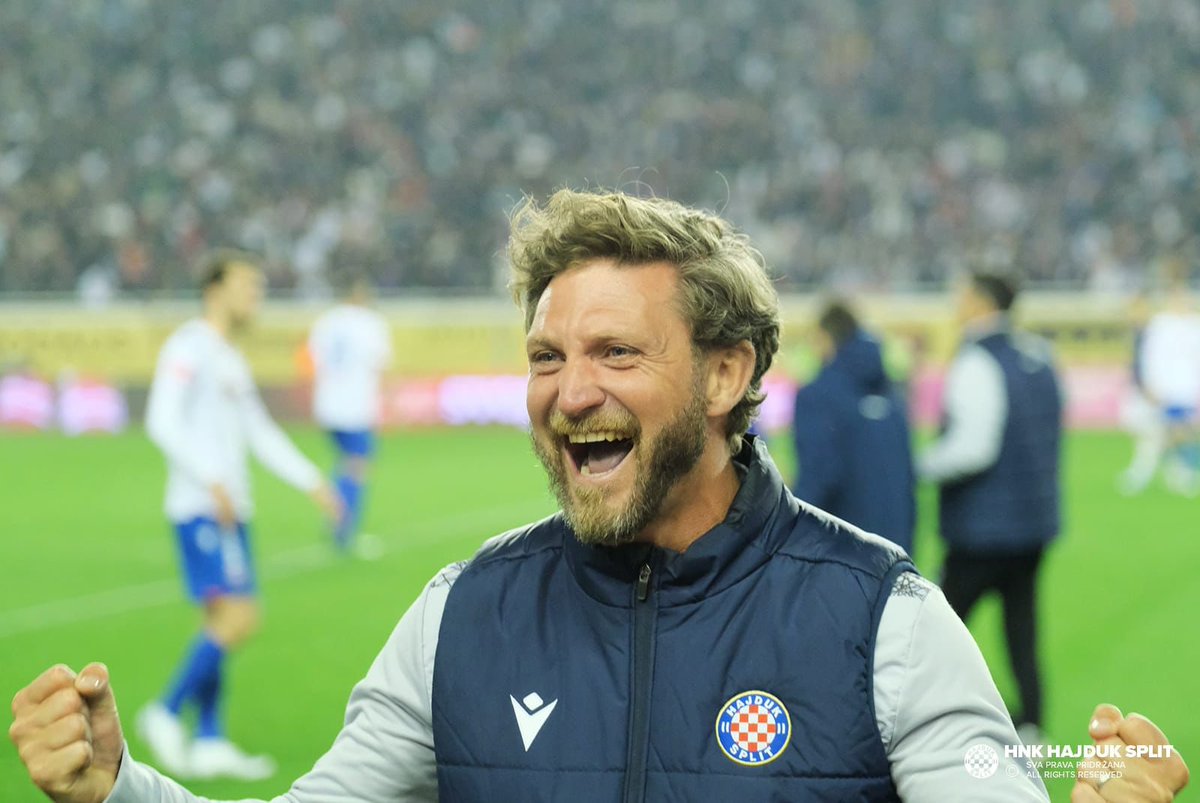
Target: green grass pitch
x=88 y=572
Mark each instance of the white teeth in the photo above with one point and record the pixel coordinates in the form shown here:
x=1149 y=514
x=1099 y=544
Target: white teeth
x=596 y=437
x=585 y=471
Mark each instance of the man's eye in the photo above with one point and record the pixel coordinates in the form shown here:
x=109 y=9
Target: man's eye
x=543 y=357
x=620 y=351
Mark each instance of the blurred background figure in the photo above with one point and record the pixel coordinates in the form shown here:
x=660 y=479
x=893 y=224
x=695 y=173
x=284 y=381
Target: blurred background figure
x=851 y=436
x=996 y=463
x=1139 y=415
x=205 y=414
x=351 y=348
x=1171 y=366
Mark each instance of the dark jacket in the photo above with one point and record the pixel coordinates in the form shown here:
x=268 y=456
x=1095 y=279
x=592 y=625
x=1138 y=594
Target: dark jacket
x=853 y=454
x=1012 y=507
x=653 y=659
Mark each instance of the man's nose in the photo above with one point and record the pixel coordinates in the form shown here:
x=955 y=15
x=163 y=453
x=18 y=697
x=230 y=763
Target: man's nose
x=578 y=388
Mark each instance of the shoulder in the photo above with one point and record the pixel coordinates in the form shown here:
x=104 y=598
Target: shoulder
x=1034 y=347
x=322 y=321
x=818 y=536
x=977 y=362
x=541 y=538
x=821 y=391
x=189 y=341
x=376 y=318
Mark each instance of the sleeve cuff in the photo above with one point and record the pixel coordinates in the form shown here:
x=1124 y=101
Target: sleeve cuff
x=122 y=791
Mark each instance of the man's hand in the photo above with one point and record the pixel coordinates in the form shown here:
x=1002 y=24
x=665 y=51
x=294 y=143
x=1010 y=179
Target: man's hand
x=1131 y=780
x=328 y=501
x=223 y=503
x=68 y=735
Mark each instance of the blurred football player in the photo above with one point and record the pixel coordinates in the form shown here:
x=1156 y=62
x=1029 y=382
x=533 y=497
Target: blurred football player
x=351 y=347
x=205 y=414
x=1139 y=415
x=1171 y=362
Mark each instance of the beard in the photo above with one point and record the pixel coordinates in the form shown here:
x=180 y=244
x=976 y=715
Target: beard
x=659 y=465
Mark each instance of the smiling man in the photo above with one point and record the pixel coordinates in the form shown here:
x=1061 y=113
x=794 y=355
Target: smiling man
x=684 y=629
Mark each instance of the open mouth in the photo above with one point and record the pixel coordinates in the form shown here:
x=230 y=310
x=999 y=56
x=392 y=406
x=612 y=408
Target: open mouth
x=598 y=453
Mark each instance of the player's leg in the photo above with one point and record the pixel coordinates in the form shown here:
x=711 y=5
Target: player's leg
x=1019 y=596
x=229 y=621
x=1144 y=422
x=355 y=450
x=220 y=577
x=1182 y=472
x=201 y=554
x=231 y=617
x=965 y=578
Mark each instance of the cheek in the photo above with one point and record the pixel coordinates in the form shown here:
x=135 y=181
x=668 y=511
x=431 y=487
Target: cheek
x=539 y=393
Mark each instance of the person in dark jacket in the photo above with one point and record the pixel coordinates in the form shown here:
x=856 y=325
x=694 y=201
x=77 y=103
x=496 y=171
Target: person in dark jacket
x=851 y=434
x=996 y=464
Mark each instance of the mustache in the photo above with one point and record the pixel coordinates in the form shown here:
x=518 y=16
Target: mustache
x=602 y=421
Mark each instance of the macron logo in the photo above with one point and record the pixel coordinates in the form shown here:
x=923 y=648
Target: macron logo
x=531 y=714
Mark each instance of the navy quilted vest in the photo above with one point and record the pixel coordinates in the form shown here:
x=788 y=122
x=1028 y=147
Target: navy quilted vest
x=1013 y=506
x=628 y=666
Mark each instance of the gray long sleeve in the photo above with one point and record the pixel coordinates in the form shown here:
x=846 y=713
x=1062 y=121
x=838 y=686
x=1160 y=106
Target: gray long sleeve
x=934 y=699
x=976 y=407
x=384 y=751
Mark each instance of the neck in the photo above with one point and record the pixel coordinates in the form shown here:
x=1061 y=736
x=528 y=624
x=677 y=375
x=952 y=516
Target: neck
x=699 y=502
x=985 y=322
x=217 y=320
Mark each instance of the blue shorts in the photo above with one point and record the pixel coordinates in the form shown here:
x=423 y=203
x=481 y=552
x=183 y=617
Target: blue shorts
x=216 y=562
x=356 y=443
x=1178 y=414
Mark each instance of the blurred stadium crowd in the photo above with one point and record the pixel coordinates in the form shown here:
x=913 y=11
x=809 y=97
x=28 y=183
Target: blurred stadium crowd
x=862 y=144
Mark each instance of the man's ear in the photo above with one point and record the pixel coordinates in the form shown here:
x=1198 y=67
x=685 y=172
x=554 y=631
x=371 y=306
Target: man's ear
x=729 y=372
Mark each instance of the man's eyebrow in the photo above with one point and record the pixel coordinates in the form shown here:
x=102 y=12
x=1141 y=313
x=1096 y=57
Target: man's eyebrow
x=538 y=342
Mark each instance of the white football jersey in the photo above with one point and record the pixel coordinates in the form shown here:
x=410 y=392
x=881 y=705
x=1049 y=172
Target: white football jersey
x=205 y=414
x=1171 y=358
x=351 y=347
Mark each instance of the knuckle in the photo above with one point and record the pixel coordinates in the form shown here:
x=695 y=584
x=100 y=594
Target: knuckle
x=27 y=753
x=40 y=773
x=68 y=701
x=18 y=701
x=77 y=726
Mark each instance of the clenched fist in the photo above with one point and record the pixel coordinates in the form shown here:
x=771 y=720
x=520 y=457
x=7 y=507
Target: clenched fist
x=66 y=730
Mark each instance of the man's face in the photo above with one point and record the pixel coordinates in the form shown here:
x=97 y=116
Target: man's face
x=616 y=396
x=823 y=344
x=242 y=293
x=968 y=304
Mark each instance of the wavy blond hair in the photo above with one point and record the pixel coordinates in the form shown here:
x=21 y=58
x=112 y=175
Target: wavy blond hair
x=726 y=294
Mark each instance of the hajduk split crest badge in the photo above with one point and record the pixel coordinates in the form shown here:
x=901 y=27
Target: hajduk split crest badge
x=753 y=728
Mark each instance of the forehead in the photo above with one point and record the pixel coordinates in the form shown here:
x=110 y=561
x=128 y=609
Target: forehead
x=244 y=273
x=602 y=293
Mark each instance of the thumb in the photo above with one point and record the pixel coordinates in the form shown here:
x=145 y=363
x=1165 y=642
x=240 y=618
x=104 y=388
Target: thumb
x=108 y=742
x=1106 y=720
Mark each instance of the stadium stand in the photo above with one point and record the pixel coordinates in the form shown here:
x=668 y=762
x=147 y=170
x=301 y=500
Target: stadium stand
x=872 y=145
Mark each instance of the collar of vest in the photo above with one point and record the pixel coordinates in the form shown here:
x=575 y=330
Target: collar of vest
x=753 y=530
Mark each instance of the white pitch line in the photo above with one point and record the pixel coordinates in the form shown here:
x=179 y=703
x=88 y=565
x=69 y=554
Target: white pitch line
x=278 y=566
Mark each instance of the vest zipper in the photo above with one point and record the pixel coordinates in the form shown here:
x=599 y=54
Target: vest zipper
x=644 y=612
